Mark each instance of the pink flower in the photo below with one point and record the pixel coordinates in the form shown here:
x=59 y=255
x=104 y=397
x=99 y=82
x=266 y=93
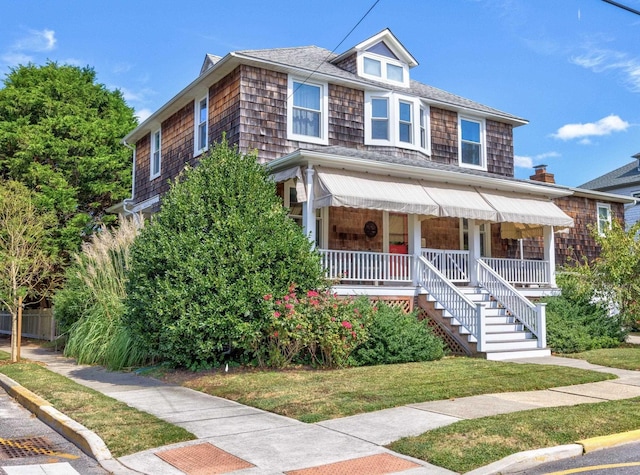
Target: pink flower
x=288 y=306
x=333 y=319
x=286 y=297
x=312 y=293
x=268 y=297
x=276 y=314
x=314 y=303
x=347 y=325
x=278 y=302
x=275 y=334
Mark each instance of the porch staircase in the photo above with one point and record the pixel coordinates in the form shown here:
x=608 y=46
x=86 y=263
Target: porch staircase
x=506 y=337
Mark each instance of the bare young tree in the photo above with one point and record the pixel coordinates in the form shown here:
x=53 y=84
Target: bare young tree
x=25 y=265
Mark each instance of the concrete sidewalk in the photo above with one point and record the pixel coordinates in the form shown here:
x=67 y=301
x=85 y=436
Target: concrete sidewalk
x=232 y=436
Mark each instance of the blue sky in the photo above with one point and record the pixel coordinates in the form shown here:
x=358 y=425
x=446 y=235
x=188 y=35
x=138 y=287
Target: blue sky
x=570 y=67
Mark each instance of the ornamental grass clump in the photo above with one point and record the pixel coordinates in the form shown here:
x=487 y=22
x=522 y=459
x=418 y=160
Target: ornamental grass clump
x=91 y=306
x=315 y=327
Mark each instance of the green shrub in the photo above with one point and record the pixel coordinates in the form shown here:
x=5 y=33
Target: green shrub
x=221 y=241
x=397 y=337
x=317 y=328
x=90 y=307
x=576 y=322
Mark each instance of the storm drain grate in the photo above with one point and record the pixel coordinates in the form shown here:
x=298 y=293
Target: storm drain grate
x=203 y=459
x=372 y=465
x=29 y=447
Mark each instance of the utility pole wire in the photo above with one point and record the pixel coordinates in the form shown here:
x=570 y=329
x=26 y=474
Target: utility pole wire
x=624 y=7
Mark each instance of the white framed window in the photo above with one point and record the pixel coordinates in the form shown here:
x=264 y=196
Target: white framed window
x=471 y=143
x=307 y=116
x=380 y=63
x=397 y=121
x=405 y=122
x=604 y=217
x=156 y=154
x=201 y=138
x=380 y=118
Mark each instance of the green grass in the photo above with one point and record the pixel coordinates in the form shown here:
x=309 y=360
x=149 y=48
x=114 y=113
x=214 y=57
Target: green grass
x=625 y=357
x=312 y=396
x=469 y=444
x=124 y=429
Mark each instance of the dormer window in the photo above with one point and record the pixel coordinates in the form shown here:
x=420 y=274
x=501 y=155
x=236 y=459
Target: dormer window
x=380 y=63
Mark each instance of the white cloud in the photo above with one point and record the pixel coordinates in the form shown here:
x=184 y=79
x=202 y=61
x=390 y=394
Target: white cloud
x=136 y=96
x=605 y=126
x=143 y=114
x=521 y=161
x=37 y=40
x=14 y=59
x=602 y=60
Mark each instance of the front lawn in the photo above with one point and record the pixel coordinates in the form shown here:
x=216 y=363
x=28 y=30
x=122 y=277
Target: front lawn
x=470 y=444
x=624 y=357
x=316 y=395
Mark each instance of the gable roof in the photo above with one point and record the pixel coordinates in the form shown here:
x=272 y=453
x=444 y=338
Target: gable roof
x=626 y=175
x=390 y=40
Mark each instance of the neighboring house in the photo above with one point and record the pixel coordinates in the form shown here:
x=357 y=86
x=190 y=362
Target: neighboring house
x=408 y=191
x=622 y=181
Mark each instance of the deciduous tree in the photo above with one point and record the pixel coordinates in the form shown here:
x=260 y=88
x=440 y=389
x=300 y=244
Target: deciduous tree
x=25 y=265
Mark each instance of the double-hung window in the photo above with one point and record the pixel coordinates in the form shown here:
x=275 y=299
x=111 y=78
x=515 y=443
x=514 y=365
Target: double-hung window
x=405 y=122
x=202 y=125
x=604 y=217
x=380 y=118
x=307 y=111
x=380 y=63
x=471 y=143
x=156 y=153
x=423 y=127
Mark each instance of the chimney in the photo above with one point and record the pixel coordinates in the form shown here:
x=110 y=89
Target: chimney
x=542 y=175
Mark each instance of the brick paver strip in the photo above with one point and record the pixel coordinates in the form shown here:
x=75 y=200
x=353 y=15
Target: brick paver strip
x=203 y=459
x=371 y=465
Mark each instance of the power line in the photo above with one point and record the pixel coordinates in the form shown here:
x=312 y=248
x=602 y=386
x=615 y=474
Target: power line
x=335 y=48
x=624 y=7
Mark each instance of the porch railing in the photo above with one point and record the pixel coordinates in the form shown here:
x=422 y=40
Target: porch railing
x=469 y=314
x=366 y=266
x=532 y=316
x=453 y=264
x=523 y=272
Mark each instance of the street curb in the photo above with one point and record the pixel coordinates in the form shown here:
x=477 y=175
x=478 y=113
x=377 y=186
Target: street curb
x=524 y=460
x=605 y=441
x=529 y=459
x=86 y=440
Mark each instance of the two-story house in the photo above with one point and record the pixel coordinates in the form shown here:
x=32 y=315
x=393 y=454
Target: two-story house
x=623 y=181
x=408 y=191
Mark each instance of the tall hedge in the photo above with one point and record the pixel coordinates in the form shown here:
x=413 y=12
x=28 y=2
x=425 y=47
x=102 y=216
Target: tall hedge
x=221 y=242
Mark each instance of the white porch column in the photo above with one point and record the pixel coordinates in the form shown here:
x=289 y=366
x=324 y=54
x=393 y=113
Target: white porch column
x=475 y=251
x=308 y=213
x=550 y=253
x=415 y=236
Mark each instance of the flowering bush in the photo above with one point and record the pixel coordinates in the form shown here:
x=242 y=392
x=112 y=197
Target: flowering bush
x=316 y=327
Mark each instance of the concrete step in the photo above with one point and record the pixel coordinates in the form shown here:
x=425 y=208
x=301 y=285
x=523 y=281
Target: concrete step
x=509 y=355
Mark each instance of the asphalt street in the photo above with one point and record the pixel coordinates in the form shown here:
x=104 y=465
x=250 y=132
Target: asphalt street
x=28 y=444
x=621 y=460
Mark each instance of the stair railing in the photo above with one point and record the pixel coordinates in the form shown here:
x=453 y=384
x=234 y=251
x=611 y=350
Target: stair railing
x=469 y=314
x=533 y=317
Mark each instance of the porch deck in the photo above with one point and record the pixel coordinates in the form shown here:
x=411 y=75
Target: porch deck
x=373 y=269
